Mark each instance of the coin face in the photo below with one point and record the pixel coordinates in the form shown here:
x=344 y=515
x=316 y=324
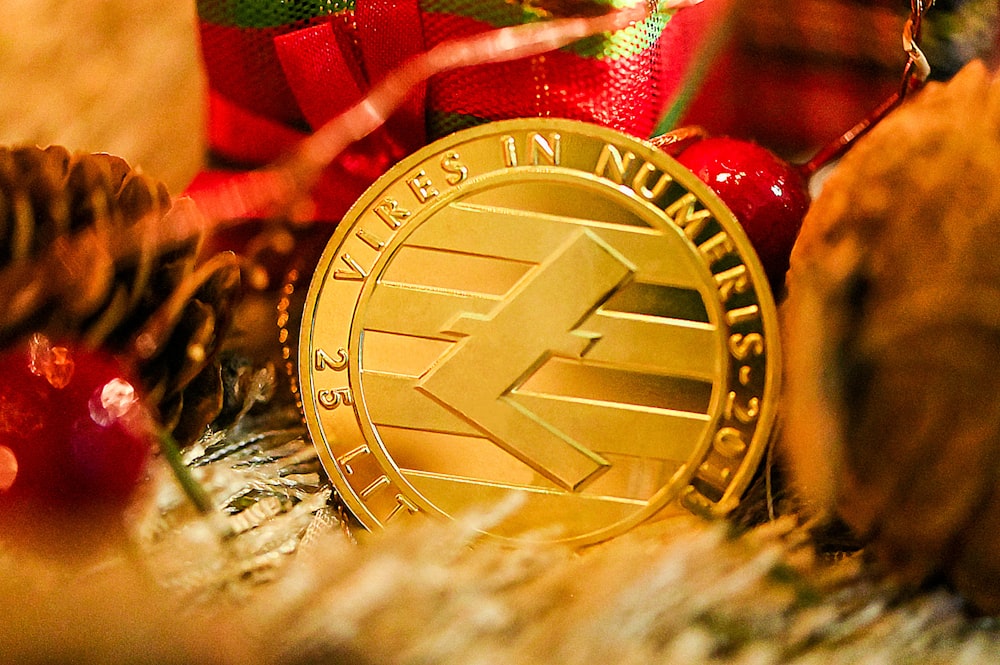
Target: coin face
x=543 y=310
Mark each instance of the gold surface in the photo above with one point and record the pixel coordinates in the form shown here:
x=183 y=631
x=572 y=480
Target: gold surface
x=542 y=309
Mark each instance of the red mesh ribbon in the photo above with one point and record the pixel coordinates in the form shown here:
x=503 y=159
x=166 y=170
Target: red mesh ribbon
x=270 y=86
x=272 y=81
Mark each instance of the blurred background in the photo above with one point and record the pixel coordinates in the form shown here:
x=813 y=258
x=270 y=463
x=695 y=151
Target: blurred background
x=124 y=76
x=119 y=76
x=798 y=73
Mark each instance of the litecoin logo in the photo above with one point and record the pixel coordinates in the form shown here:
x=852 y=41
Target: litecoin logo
x=562 y=321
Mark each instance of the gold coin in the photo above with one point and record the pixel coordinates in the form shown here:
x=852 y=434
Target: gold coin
x=541 y=309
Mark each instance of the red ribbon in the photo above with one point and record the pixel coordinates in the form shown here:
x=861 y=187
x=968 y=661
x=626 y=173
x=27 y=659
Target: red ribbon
x=270 y=86
x=321 y=67
x=391 y=33
x=322 y=79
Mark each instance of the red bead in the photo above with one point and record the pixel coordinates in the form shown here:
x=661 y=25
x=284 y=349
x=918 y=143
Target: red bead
x=71 y=438
x=768 y=196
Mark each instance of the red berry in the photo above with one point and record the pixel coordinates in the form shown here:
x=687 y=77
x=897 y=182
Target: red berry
x=768 y=196
x=69 y=440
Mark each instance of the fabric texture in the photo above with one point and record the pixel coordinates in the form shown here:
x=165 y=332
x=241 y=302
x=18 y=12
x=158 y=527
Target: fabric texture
x=278 y=70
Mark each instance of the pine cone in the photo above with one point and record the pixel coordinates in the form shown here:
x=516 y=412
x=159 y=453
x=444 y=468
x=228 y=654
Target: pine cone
x=893 y=340
x=78 y=262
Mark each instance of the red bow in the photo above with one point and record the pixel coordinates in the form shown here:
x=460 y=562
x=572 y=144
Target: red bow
x=321 y=68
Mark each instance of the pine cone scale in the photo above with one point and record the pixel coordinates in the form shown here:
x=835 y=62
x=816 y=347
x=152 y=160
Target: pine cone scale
x=84 y=258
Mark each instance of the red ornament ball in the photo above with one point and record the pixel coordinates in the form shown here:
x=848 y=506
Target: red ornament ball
x=768 y=196
x=72 y=437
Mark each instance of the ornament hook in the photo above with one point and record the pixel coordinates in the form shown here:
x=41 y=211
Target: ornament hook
x=917 y=67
